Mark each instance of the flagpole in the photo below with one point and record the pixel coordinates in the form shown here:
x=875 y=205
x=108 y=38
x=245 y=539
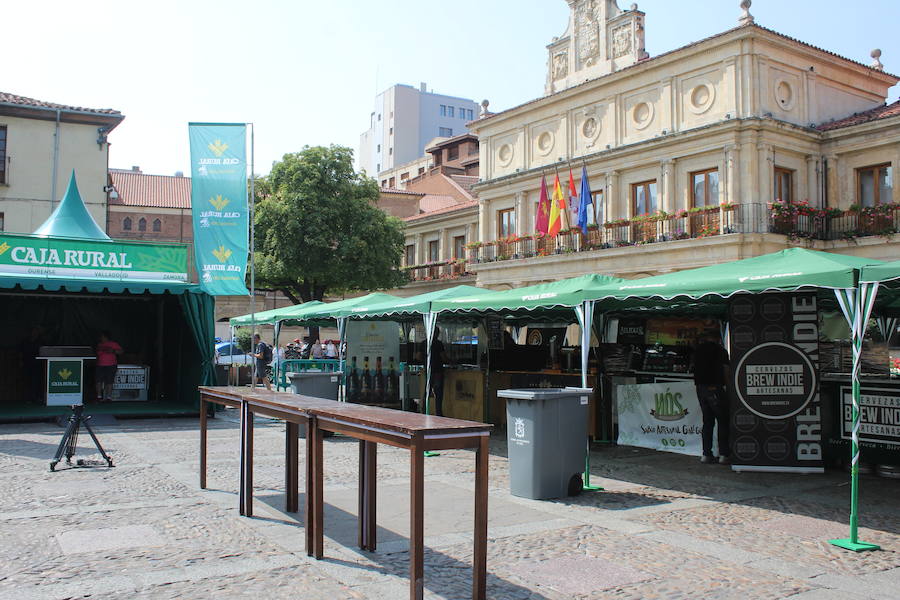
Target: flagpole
x=252 y=259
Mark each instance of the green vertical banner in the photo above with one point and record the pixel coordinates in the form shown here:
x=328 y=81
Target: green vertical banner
x=219 y=206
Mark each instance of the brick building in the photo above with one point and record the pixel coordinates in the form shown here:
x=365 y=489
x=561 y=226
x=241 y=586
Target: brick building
x=149 y=207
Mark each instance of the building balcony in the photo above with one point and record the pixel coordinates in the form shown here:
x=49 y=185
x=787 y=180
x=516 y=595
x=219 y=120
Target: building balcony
x=798 y=221
x=445 y=270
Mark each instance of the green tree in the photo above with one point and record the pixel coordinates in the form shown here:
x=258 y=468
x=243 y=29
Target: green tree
x=318 y=229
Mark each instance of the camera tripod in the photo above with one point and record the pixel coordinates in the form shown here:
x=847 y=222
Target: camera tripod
x=69 y=442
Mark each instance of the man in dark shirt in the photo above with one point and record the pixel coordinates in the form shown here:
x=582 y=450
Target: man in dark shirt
x=438 y=356
x=260 y=362
x=710 y=375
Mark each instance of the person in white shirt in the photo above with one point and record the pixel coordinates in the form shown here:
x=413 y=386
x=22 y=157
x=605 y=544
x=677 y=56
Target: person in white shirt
x=330 y=350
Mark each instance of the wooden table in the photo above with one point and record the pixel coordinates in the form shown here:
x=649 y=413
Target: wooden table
x=370 y=425
x=417 y=433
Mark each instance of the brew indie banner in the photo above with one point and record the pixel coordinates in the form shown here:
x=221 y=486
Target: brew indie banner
x=776 y=419
x=219 y=206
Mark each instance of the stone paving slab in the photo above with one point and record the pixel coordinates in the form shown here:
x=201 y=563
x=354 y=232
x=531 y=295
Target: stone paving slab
x=666 y=526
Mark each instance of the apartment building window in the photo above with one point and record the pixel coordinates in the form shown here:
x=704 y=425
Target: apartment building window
x=391 y=182
x=404 y=176
x=384 y=183
x=453 y=153
x=643 y=197
x=142 y=224
x=705 y=188
x=379 y=117
x=390 y=151
x=473 y=148
x=445 y=132
x=875 y=185
x=450 y=111
x=391 y=131
x=434 y=251
x=506 y=223
x=443 y=110
x=459 y=246
x=421 y=170
x=3 y=154
x=378 y=148
x=157 y=225
x=126 y=224
x=410 y=255
x=469 y=114
x=462 y=113
x=784 y=183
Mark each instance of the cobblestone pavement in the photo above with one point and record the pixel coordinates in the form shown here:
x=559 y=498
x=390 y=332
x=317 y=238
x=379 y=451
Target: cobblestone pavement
x=664 y=527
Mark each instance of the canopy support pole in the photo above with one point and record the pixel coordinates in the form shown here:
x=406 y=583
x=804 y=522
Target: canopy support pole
x=857 y=308
x=342 y=335
x=277 y=369
x=585 y=314
x=430 y=319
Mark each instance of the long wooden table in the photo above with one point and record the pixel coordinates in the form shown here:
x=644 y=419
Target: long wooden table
x=370 y=425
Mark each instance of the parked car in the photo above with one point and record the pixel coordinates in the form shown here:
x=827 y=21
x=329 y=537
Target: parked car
x=228 y=353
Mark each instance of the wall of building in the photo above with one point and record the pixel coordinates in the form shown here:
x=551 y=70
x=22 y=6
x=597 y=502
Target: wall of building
x=175 y=224
x=26 y=199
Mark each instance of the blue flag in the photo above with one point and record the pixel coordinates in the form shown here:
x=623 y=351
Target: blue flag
x=584 y=198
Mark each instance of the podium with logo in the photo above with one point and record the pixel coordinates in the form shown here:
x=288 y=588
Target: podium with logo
x=65 y=373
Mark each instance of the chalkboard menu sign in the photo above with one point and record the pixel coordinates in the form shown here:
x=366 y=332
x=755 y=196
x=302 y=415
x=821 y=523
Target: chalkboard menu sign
x=494 y=328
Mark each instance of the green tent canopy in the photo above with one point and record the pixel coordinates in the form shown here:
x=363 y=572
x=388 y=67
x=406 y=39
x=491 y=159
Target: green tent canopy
x=413 y=307
x=544 y=300
x=885 y=273
x=71 y=218
x=272 y=316
x=706 y=288
x=327 y=313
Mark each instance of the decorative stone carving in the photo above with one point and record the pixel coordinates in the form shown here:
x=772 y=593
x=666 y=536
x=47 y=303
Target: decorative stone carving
x=590 y=128
x=746 y=17
x=621 y=41
x=876 y=60
x=560 y=65
x=588 y=28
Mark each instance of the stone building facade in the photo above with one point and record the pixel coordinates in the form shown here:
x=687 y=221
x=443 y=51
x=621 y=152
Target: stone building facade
x=149 y=207
x=739 y=144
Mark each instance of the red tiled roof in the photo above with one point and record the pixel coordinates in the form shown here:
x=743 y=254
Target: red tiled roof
x=875 y=114
x=158 y=191
x=465 y=181
x=443 y=211
x=686 y=46
x=399 y=191
x=432 y=202
x=7 y=98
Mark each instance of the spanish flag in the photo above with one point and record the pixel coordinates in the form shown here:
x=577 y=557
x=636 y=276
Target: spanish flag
x=557 y=205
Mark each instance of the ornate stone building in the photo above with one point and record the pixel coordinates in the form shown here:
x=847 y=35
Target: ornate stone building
x=702 y=154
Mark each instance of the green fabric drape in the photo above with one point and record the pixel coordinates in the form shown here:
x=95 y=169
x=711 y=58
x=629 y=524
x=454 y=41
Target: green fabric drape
x=199 y=314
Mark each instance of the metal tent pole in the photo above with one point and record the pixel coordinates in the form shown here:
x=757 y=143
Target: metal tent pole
x=430 y=319
x=585 y=314
x=857 y=307
x=252 y=259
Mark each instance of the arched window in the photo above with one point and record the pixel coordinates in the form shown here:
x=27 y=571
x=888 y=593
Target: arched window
x=126 y=224
x=157 y=225
x=142 y=224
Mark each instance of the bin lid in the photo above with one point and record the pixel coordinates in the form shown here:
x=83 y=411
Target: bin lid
x=311 y=374
x=543 y=393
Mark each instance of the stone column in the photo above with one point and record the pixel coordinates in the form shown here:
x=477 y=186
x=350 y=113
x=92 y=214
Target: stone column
x=484 y=226
x=471 y=232
x=444 y=249
x=421 y=256
x=766 y=173
x=833 y=184
x=610 y=196
x=812 y=187
x=732 y=182
x=521 y=214
x=667 y=187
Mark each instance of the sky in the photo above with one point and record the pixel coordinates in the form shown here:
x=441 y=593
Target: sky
x=306 y=72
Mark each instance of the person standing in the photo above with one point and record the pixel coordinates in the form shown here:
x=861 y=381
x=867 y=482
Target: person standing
x=108 y=353
x=317 y=352
x=262 y=353
x=710 y=375
x=330 y=350
x=438 y=356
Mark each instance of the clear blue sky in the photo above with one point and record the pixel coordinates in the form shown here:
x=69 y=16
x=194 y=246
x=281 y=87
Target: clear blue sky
x=306 y=72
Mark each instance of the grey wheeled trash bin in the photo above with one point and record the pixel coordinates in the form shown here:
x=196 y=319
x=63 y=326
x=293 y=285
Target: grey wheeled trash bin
x=547 y=432
x=317 y=384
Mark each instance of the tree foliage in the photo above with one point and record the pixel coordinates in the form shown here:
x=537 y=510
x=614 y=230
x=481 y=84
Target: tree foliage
x=318 y=229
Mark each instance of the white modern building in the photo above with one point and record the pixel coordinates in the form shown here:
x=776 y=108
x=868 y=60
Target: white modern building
x=405 y=120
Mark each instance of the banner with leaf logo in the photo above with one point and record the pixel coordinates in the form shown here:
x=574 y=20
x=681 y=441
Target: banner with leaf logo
x=219 y=206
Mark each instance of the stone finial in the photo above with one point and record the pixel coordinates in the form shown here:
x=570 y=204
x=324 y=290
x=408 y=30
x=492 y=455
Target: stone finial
x=484 y=108
x=876 y=59
x=634 y=6
x=746 y=17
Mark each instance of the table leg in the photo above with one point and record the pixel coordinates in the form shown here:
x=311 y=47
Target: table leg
x=248 y=465
x=242 y=501
x=417 y=523
x=203 y=407
x=368 y=452
x=479 y=557
x=310 y=486
x=318 y=492
x=292 y=467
